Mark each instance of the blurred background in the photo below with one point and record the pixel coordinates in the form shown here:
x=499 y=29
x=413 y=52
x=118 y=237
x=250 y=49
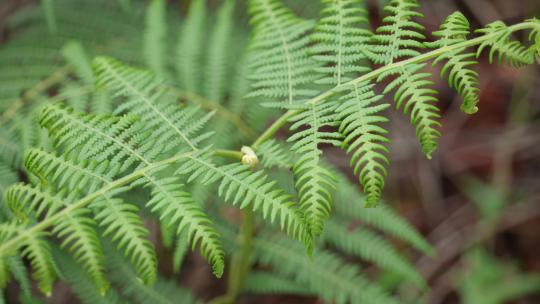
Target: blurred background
x=477 y=201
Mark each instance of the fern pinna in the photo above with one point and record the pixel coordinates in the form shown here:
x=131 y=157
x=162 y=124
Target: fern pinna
x=152 y=132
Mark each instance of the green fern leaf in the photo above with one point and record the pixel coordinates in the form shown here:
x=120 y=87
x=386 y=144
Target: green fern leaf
x=178 y=209
x=124 y=145
x=219 y=53
x=399 y=36
x=19 y=273
x=279 y=58
x=414 y=98
x=79 y=235
x=155 y=38
x=273 y=154
x=340 y=41
x=175 y=128
x=313 y=181
x=80 y=283
x=190 y=48
x=364 y=138
x=506 y=49
x=325 y=274
x=240 y=186
x=121 y=222
x=163 y=292
x=383 y=217
x=370 y=247
x=259 y=282
x=36 y=249
x=455 y=29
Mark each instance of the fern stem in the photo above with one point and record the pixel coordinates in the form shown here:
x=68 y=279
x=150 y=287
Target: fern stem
x=241 y=260
x=16 y=241
x=229 y=154
x=280 y=122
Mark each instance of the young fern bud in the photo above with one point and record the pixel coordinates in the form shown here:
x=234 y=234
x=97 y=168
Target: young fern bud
x=249 y=157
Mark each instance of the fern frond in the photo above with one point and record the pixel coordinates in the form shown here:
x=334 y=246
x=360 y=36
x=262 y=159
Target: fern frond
x=454 y=30
x=177 y=209
x=365 y=138
x=340 y=40
x=219 y=53
x=163 y=292
x=414 y=98
x=260 y=282
x=313 y=181
x=121 y=222
x=80 y=283
x=80 y=237
x=383 y=217
x=325 y=273
x=87 y=176
x=76 y=56
x=189 y=48
x=400 y=36
x=273 y=154
x=155 y=38
x=38 y=252
x=98 y=137
x=279 y=58
x=181 y=247
x=145 y=98
x=241 y=187
x=371 y=247
x=119 y=219
x=75 y=228
x=19 y=273
x=511 y=51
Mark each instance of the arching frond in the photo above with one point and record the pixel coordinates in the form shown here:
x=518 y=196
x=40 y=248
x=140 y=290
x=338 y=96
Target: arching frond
x=383 y=217
x=273 y=154
x=454 y=30
x=325 y=274
x=400 y=38
x=313 y=181
x=502 y=45
x=414 y=98
x=371 y=247
x=219 y=53
x=189 y=50
x=175 y=128
x=279 y=47
x=177 y=209
x=342 y=36
x=37 y=250
x=163 y=292
x=155 y=38
x=365 y=138
x=241 y=187
x=259 y=282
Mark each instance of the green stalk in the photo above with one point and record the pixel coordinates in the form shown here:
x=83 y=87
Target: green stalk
x=241 y=260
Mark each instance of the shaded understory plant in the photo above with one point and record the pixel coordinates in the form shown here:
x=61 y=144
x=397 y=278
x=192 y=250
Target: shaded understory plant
x=99 y=148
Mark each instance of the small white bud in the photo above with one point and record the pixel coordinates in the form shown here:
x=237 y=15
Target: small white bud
x=249 y=157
